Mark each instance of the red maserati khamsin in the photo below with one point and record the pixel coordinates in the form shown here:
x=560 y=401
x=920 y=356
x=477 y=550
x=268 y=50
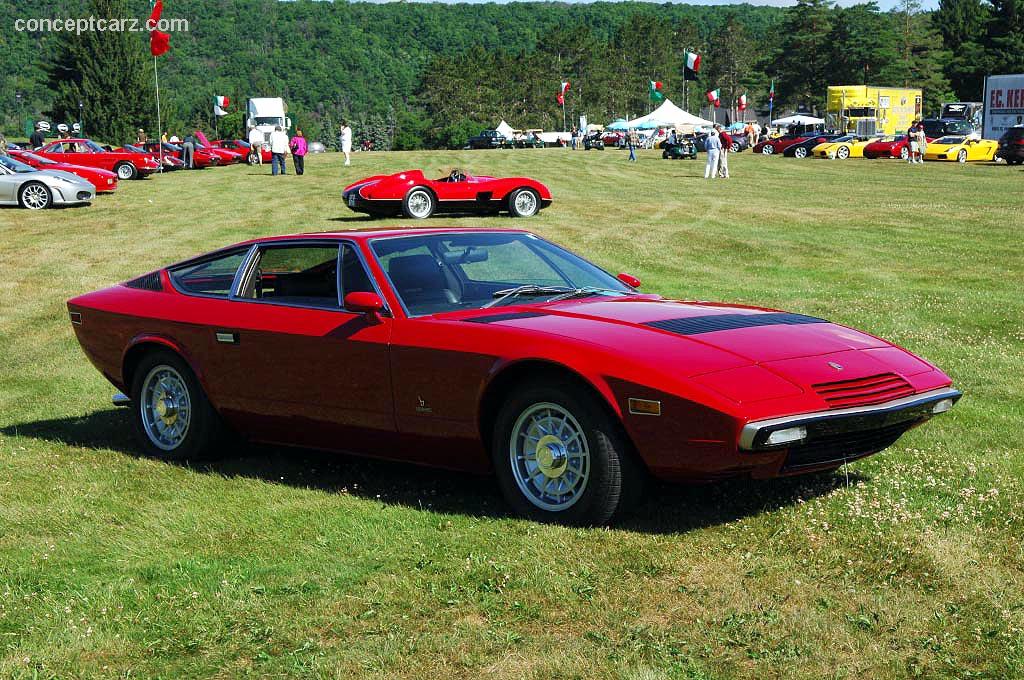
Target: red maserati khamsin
x=492 y=351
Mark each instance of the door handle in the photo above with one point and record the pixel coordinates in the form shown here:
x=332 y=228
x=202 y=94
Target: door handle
x=227 y=337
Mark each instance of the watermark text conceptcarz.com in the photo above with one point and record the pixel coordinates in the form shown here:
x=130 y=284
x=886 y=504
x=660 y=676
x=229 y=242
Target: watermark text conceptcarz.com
x=91 y=24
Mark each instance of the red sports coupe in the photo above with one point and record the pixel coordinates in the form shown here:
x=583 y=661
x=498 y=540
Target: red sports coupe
x=889 y=147
x=242 y=147
x=780 y=144
x=411 y=194
x=104 y=180
x=127 y=164
x=492 y=351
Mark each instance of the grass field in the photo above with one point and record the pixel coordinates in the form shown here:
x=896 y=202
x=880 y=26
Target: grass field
x=297 y=564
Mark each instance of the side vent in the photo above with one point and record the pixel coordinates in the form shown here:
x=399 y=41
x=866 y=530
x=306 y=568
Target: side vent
x=149 y=281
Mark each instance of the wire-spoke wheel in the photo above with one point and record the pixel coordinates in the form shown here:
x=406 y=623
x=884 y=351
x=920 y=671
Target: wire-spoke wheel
x=523 y=203
x=561 y=456
x=35 y=196
x=419 y=204
x=172 y=417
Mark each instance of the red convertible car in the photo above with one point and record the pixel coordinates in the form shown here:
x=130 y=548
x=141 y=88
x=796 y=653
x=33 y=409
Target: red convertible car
x=889 y=147
x=411 y=194
x=127 y=164
x=104 y=180
x=492 y=351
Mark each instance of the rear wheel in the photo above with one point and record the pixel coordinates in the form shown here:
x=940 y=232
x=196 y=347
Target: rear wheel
x=735 y=148
x=560 y=457
x=843 y=152
x=767 y=149
x=904 y=153
x=523 y=203
x=126 y=171
x=419 y=204
x=961 y=156
x=664 y=154
x=34 y=196
x=171 y=416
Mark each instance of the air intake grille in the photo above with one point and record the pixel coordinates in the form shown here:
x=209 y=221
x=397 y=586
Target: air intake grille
x=149 y=281
x=695 y=325
x=846 y=445
x=874 y=389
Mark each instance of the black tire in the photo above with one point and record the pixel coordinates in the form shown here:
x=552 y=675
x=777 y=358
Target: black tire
x=126 y=170
x=614 y=475
x=961 y=156
x=664 y=154
x=735 y=148
x=843 y=152
x=800 y=152
x=767 y=149
x=253 y=158
x=35 y=196
x=523 y=203
x=419 y=203
x=204 y=429
x=904 y=153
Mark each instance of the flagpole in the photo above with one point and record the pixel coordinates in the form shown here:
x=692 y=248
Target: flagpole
x=159 y=124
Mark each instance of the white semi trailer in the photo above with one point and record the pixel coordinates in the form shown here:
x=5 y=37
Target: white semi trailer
x=1004 y=104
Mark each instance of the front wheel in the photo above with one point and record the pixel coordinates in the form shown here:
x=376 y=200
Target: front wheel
x=523 y=203
x=843 y=152
x=253 y=158
x=767 y=149
x=560 y=457
x=961 y=156
x=800 y=152
x=34 y=196
x=171 y=416
x=735 y=148
x=418 y=204
x=126 y=171
x=904 y=153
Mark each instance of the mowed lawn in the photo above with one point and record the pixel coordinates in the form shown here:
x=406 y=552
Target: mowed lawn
x=283 y=563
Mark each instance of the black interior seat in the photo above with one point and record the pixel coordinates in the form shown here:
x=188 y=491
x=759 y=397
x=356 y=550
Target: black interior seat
x=421 y=283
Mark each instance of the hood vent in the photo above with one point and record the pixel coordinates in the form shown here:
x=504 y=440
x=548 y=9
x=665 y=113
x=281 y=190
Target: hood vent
x=695 y=325
x=150 y=281
x=874 y=389
x=507 y=316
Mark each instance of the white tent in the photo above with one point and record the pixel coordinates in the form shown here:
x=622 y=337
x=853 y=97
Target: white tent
x=505 y=130
x=798 y=120
x=668 y=115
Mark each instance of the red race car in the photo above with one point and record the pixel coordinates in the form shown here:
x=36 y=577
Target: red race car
x=889 y=147
x=411 y=194
x=780 y=144
x=127 y=164
x=104 y=180
x=224 y=156
x=492 y=350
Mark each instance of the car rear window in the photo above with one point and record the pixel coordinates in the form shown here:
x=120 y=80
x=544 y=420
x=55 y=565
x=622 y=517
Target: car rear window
x=213 y=276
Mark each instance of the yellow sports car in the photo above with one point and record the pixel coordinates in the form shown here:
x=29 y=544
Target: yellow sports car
x=960 y=149
x=849 y=146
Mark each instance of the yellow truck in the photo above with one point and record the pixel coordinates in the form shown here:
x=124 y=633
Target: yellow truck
x=870 y=110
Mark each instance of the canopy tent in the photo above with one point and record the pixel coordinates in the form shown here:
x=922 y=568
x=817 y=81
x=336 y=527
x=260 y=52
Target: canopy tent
x=618 y=124
x=799 y=119
x=667 y=115
x=505 y=130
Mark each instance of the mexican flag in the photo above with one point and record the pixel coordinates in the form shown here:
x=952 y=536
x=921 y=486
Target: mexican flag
x=715 y=97
x=220 y=105
x=692 y=66
x=741 y=103
x=655 y=91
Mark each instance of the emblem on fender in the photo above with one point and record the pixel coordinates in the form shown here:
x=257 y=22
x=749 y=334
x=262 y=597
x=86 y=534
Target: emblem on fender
x=835 y=365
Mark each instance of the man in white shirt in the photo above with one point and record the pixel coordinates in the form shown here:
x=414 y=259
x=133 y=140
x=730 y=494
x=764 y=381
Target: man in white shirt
x=255 y=144
x=278 y=149
x=346 y=142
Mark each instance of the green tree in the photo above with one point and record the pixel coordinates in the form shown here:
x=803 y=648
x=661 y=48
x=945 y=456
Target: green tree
x=803 y=64
x=1005 y=49
x=921 y=58
x=107 y=72
x=962 y=24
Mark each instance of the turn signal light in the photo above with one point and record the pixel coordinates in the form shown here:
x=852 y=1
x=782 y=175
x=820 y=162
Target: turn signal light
x=942 y=405
x=787 y=436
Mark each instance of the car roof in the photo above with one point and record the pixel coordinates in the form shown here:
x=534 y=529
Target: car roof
x=379 y=232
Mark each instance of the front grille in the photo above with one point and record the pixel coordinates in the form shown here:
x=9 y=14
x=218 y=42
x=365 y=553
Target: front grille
x=149 y=281
x=829 y=448
x=873 y=389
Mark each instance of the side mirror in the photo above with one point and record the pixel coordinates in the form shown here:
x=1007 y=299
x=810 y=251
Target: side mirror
x=369 y=304
x=629 y=280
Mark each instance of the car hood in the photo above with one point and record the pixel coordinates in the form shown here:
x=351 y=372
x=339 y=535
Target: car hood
x=66 y=176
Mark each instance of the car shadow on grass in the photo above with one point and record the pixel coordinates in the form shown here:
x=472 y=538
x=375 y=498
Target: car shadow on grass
x=665 y=509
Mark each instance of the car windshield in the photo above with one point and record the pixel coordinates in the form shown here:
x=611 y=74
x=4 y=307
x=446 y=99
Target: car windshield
x=15 y=166
x=92 y=146
x=949 y=140
x=447 y=272
x=134 y=149
x=846 y=138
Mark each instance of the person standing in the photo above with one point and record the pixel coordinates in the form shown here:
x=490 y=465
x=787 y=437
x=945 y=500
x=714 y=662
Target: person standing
x=255 y=140
x=912 y=142
x=3 y=145
x=140 y=137
x=346 y=142
x=188 y=151
x=631 y=145
x=922 y=142
x=38 y=138
x=299 y=148
x=723 y=156
x=278 y=149
x=713 y=146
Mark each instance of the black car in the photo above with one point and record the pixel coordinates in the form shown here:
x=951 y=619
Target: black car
x=684 y=148
x=942 y=127
x=1011 y=146
x=488 y=139
x=593 y=141
x=803 y=149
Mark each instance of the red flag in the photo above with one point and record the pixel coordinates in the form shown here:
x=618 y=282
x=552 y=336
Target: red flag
x=562 y=91
x=159 y=42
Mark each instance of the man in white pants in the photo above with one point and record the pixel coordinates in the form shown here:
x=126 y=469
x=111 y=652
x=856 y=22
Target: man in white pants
x=713 y=146
x=256 y=144
x=346 y=142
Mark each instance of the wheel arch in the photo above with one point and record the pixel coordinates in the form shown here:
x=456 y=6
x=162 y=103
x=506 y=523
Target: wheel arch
x=142 y=345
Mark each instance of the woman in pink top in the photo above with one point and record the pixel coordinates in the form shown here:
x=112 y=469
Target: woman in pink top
x=299 y=148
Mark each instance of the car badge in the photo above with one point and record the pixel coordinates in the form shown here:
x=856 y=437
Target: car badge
x=422 y=406
x=836 y=366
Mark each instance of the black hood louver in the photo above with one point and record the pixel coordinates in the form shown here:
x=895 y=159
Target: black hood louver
x=507 y=316
x=150 y=281
x=695 y=325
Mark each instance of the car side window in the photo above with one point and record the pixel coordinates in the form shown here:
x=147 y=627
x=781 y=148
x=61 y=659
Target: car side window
x=209 y=277
x=305 y=275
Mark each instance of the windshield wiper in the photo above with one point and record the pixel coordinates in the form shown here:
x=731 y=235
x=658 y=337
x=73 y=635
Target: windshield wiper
x=586 y=291
x=529 y=289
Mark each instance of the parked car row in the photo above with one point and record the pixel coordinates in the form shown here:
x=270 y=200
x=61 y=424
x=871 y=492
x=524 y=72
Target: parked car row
x=950 y=147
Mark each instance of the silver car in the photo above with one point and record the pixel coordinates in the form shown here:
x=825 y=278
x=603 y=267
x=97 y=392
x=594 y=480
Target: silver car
x=23 y=185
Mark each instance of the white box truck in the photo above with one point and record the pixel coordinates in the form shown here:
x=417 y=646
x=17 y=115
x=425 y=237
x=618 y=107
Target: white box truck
x=1004 y=104
x=266 y=113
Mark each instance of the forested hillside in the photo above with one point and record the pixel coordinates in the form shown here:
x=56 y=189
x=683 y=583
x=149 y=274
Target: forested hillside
x=416 y=74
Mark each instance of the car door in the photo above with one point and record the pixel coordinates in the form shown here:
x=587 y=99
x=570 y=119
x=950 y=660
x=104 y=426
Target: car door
x=9 y=183
x=289 y=364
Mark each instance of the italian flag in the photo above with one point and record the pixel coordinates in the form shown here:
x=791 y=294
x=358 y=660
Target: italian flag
x=656 y=94
x=742 y=102
x=771 y=92
x=562 y=91
x=220 y=106
x=693 y=61
x=714 y=96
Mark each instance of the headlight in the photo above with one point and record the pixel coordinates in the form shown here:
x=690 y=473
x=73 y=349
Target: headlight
x=787 y=436
x=942 y=405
